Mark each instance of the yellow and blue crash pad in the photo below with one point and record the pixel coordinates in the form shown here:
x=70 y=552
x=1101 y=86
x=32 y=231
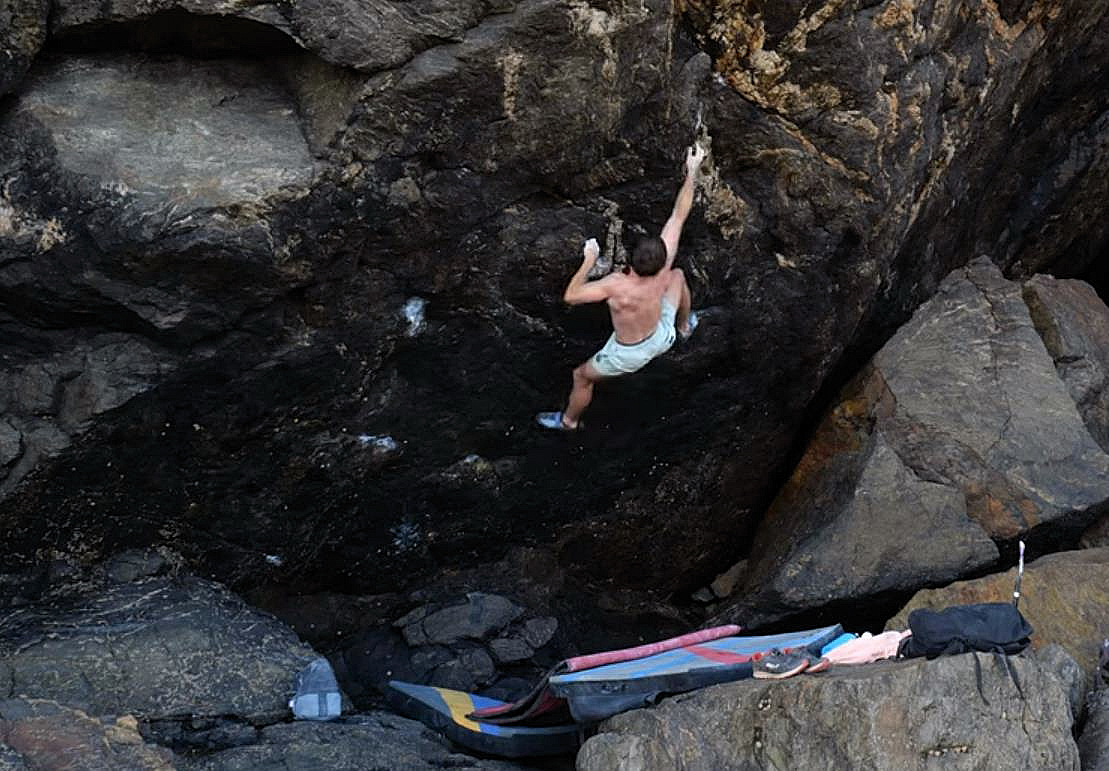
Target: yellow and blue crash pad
x=446 y=711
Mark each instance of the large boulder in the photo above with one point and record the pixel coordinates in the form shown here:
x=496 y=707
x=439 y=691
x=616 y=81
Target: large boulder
x=1064 y=596
x=1074 y=324
x=147 y=170
x=959 y=433
x=891 y=715
x=158 y=648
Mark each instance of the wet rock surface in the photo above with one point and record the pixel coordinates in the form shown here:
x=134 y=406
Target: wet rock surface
x=890 y=715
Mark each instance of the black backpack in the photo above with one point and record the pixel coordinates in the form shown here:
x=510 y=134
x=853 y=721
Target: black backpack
x=992 y=627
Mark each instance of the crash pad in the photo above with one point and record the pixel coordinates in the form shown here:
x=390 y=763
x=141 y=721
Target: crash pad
x=542 y=707
x=446 y=710
x=600 y=692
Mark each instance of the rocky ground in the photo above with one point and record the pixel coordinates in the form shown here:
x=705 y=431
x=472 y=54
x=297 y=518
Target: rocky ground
x=143 y=668
x=135 y=666
x=280 y=294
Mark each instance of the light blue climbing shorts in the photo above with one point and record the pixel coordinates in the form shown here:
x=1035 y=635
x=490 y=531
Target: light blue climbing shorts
x=616 y=358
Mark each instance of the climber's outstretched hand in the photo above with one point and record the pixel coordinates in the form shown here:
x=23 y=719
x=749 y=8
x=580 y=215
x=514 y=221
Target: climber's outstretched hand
x=694 y=157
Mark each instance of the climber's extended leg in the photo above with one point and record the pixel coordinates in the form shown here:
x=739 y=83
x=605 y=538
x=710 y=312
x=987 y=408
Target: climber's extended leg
x=585 y=376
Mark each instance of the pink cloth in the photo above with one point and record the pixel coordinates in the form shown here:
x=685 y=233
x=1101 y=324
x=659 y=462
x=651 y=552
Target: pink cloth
x=867 y=648
x=650 y=649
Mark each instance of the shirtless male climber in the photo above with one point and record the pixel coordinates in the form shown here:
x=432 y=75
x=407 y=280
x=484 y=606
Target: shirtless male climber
x=649 y=303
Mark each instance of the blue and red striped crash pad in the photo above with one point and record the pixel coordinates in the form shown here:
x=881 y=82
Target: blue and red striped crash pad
x=445 y=711
x=598 y=693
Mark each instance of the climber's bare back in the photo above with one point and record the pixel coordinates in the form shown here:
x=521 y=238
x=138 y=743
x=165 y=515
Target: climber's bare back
x=635 y=304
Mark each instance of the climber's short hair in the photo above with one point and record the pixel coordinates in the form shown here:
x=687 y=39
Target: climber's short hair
x=649 y=256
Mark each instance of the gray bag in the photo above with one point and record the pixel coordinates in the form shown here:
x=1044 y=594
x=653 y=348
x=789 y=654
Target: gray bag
x=317 y=693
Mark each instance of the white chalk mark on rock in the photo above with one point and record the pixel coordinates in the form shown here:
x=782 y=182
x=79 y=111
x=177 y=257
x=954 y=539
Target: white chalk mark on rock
x=414 y=315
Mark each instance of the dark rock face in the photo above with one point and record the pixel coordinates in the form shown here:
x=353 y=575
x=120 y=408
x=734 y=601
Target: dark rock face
x=247 y=314
x=272 y=410
x=49 y=400
x=934 y=109
x=157 y=648
x=958 y=433
x=22 y=33
x=904 y=715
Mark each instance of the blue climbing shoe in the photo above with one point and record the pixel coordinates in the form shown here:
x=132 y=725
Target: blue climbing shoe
x=693 y=321
x=553 y=421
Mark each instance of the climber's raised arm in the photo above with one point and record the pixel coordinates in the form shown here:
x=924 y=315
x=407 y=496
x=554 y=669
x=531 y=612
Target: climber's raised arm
x=672 y=230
